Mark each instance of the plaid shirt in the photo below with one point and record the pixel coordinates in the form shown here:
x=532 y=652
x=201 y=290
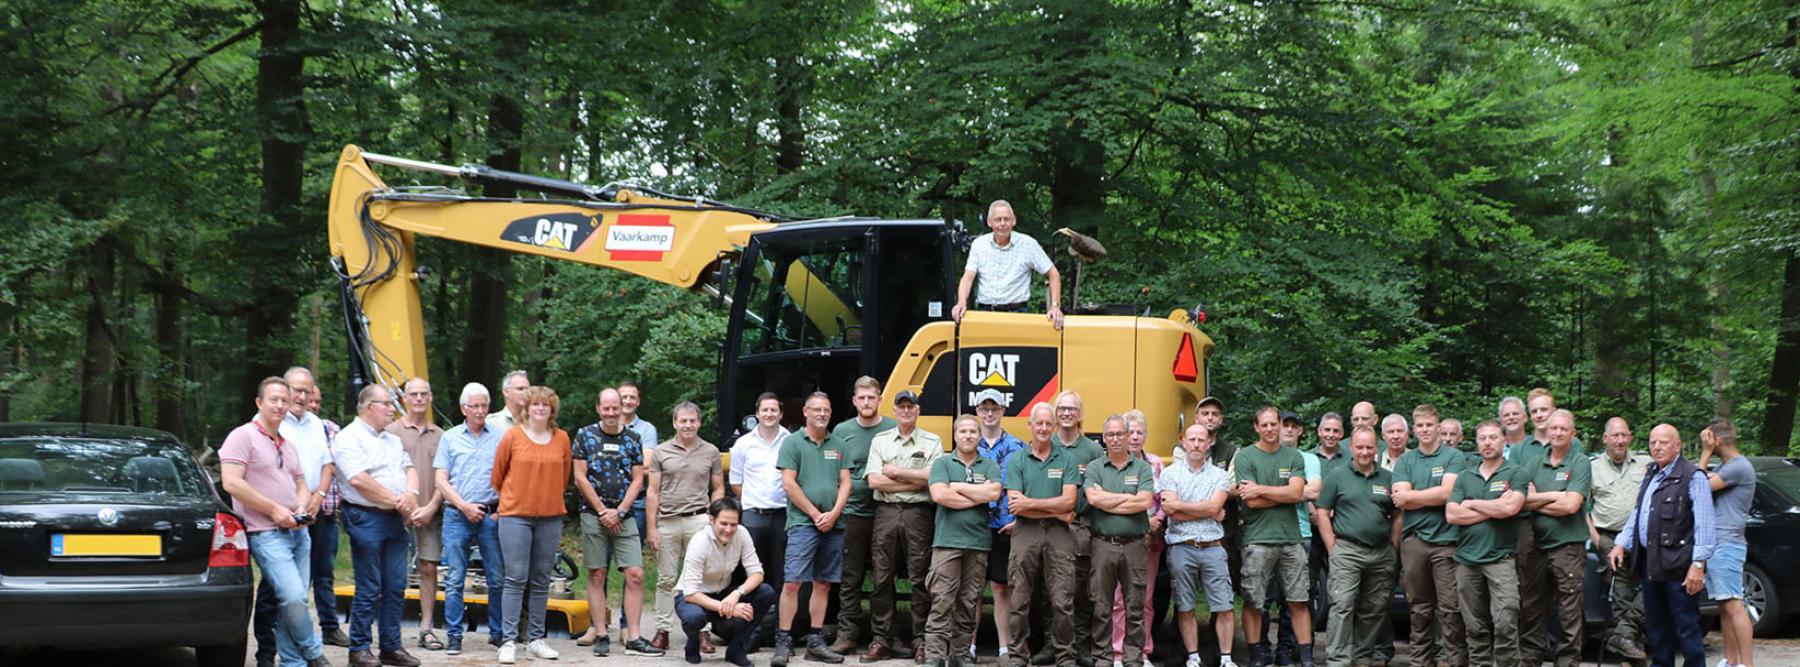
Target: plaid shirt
x=330 y=504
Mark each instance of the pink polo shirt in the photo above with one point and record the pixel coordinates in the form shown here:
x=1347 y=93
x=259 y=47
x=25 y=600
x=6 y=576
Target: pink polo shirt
x=271 y=465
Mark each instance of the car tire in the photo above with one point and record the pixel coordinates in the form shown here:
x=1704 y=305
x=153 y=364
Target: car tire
x=1760 y=594
x=227 y=655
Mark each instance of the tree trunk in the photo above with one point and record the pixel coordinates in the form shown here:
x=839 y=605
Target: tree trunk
x=1784 y=370
x=484 y=339
x=791 y=82
x=100 y=361
x=280 y=103
x=173 y=370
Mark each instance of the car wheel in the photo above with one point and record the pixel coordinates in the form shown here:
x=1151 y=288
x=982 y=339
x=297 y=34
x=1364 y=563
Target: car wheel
x=228 y=655
x=1764 y=606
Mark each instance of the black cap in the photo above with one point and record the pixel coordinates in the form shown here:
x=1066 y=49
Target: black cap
x=1290 y=416
x=906 y=395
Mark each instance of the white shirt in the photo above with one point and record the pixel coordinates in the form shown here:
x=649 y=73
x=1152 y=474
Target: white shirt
x=308 y=435
x=753 y=467
x=501 y=421
x=1005 y=273
x=360 y=449
x=707 y=565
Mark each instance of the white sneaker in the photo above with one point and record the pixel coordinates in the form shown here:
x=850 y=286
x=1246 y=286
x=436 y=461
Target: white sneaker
x=1147 y=663
x=1225 y=661
x=509 y=653
x=1724 y=663
x=1118 y=663
x=538 y=649
x=1194 y=662
x=971 y=650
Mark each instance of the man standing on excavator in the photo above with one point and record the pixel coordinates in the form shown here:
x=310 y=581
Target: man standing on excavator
x=1005 y=261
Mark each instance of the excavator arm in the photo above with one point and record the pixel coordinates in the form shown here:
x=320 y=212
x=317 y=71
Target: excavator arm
x=373 y=227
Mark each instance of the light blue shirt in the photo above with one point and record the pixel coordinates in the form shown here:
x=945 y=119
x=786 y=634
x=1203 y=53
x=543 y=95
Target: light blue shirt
x=1699 y=495
x=469 y=462
x=999 y=451
x=1193 y=486
x=1304 y=509
x=646 y=433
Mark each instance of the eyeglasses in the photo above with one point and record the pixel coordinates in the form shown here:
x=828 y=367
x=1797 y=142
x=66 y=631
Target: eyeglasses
x=418 y=394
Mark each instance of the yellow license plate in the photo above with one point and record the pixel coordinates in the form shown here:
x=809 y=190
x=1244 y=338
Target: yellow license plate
x=63 y=545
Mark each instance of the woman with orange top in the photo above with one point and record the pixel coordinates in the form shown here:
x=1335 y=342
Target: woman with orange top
x=531 y=469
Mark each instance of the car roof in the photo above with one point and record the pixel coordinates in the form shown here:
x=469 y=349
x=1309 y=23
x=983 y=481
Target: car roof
x=85 y=430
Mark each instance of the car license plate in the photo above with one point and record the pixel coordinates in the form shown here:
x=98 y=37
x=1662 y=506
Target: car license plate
x=71 y=545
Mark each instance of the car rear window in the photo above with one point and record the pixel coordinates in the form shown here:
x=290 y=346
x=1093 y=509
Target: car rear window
x=51 y=465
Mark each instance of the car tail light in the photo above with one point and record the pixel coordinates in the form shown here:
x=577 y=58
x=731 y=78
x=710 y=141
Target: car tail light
x=230 y=544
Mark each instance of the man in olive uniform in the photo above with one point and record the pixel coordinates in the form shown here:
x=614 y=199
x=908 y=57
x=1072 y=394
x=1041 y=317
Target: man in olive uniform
x=1561 y=480
x=1119 y=488
x=1617 y=475
x=962 y=485
x=1082 y=450
x=1484 y=506
x=1270 y=482
x=1423 y=478
x=899 y=470
x=1357 y=520
x=859 y=514
x=1041 y=484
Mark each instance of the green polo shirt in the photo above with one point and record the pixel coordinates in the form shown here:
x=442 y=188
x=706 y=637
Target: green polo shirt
x=1082 y=451
x=1362 y=510
x=1427 y=471
x=1492 y=540
x=1331 y=465
x=1270 y=525
x=816 y=467
x=1042 y=478
x=1574 y=474
x=856 y=439
x=964 y=528
x=1135 y=477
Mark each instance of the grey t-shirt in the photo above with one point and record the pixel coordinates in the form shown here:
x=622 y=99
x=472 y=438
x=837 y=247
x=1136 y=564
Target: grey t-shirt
x=1732 y=503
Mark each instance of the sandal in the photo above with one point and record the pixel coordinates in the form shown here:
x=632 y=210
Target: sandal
x=428 y=640
x=587 y=638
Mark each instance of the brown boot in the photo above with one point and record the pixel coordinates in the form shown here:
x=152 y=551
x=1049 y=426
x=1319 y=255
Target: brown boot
x=660 y=642
x=919 y=653
x=845 y=644
x=399 y=658
x=706 y=643
x=364 y=658
x=877 y=652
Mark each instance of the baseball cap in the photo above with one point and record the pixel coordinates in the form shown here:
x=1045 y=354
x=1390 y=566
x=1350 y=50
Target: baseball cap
x=1213 y=400
x=994 y=395
x=906 y=395
x=1290 y=416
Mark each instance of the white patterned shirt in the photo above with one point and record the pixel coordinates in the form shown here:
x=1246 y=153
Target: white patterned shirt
x=1005 y=273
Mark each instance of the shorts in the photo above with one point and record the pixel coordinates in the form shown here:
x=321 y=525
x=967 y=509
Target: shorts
x=428 y=540
x=1195 y=569
x=1285 y=562
x=999 y=552
x=601 y=548
x=1725 y=572
x=814 y=556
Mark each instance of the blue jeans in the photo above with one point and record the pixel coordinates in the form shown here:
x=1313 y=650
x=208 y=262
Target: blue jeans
x=378 y=544
x=285 y=558
x=459 y=535
x=1672 y=620
x=738 y=633
x=324 y=533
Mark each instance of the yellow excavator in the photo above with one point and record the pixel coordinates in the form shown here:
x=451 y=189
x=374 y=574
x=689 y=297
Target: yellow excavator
x=813 y=304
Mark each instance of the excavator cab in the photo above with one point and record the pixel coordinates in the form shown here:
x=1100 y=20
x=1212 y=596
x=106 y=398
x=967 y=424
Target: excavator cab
x=817 y=304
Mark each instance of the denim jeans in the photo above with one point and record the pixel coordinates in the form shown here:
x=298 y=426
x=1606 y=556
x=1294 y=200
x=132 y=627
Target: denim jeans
x=324 y=533
x=531 y=543
x=285 y=558
x=378 y=544
x=459 y=535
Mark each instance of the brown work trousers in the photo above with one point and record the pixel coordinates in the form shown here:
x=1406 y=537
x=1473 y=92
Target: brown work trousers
x=1430 y=582
x=1534 y=594
x=1490 y=606
x=1563 y=576
x=853 y=619
x=1043 y=565
x=1119 y=563
x=902 y=530
x=956 y=579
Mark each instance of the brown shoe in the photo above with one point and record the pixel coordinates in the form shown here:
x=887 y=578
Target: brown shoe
x=845 y=644
x=363 y=659
x=660 y=642
x=919 y=653
x=877 y=652
x=399 y=658
x=706 y=643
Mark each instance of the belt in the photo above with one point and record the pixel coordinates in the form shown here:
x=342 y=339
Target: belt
x=372 y=508
x=491 y=508
x=682 y=515
x=760 y=510
x=1122 y=539
x=1202 y=545
x=1014 y=307
x=1040 y=522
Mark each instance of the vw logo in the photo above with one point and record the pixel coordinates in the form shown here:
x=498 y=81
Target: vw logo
x=109 y=516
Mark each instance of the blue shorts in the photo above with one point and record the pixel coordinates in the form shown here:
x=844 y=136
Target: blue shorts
x=1725 y=572
x=814 y=556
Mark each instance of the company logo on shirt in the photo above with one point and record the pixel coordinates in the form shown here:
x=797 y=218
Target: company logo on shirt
x=1562 y=476
x=1378 y=489
x=1285 y=473
x=1437 y=473
x=1053 y=473
x=1131 y=480
x=1499 y=486
x=833 y=455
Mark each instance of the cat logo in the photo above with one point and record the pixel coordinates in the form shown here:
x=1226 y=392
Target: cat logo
x=566 y=232
x=993 y=370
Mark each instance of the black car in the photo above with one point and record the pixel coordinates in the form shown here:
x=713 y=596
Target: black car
x=1773 y=533
x=114 y=537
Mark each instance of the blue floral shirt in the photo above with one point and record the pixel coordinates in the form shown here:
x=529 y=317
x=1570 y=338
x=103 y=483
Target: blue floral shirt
x=999 y=451
x=610 y=459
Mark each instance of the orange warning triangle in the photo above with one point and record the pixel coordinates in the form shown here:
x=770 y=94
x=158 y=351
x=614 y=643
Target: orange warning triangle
x=1187 y=367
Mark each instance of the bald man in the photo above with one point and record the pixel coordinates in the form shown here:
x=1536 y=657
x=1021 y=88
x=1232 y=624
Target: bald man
x=1673 y=570
x=1617 y=476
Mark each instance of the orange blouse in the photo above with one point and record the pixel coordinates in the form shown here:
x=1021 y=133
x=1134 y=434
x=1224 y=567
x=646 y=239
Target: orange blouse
x=531 y=477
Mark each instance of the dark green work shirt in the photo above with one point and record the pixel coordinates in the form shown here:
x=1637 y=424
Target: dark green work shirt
x=1082 y=451
x=1426 y=472
x=1575 y=473
x=964 y=528
x=1042 y=478
x=1135 y=477
x=856 y=439
x=1491 y=540
x=1270 y=525
x=816 y=466
x=1362 y=510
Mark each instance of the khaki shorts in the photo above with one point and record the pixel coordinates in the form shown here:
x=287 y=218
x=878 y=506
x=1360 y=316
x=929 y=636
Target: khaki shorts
x=1284 y=561
x=601 y=548
x=428 y=540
